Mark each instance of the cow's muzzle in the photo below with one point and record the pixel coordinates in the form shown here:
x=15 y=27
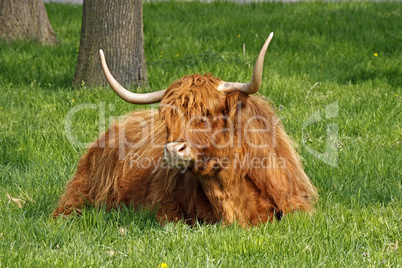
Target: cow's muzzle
x=178 y=153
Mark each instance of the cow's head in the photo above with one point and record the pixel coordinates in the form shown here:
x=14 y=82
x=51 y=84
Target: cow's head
x=198 y=111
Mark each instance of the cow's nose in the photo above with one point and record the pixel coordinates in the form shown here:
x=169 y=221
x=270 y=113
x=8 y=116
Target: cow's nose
x=179 y=150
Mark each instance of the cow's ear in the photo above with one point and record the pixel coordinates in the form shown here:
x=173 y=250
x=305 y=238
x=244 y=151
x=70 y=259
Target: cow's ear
x=234 y=103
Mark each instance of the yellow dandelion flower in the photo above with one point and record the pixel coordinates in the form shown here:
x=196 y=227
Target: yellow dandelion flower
x=73 y=99
x=2 y=108
x=309 y=14
x=19 y=61
x=33 y=67
x=163 y=265
x=177 y=55
x=238 y=35
x=396 y=95
x=161 y=52
x=376 y=54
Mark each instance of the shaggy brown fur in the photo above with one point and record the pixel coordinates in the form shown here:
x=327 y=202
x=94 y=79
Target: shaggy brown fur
x=245 y=169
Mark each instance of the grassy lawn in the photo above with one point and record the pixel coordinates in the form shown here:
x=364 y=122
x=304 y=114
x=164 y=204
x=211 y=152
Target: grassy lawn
x=340 y=60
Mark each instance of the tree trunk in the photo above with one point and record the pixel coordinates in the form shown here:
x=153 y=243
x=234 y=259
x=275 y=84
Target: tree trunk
x=116 y=27
x=25 y=19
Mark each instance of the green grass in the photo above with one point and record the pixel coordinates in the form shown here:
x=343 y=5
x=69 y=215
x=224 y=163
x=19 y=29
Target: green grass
x=358 y=220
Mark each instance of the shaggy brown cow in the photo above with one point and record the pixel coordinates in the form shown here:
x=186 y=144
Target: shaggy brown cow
x=212 y=153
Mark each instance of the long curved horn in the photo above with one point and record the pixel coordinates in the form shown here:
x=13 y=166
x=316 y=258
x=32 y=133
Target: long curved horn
x=255 y=83
x=131 y=97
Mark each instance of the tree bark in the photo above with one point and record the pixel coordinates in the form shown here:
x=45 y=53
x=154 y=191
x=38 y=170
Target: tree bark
x=117 y=28
x=25 y=20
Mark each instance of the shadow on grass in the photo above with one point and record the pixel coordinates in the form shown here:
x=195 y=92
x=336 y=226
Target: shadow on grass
x=123 y=216
x=391 y=74
x=26 y=63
